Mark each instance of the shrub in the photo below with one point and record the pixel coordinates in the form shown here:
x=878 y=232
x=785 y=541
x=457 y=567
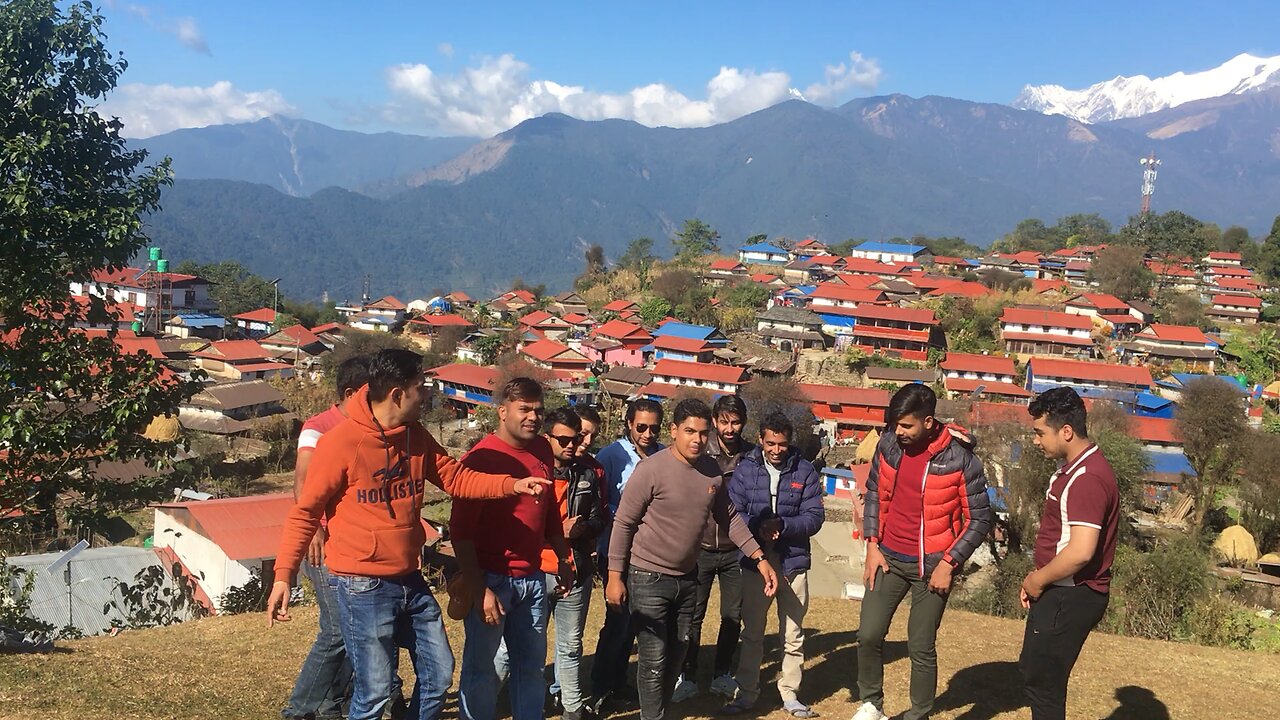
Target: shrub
x=1002 y=596
x=1218 y=620
x=246 y=598
x=1154 y=594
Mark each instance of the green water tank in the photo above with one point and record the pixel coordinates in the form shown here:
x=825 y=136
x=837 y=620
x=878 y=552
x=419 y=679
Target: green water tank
x=137 y=326
x=162 y=266
x=154 y=254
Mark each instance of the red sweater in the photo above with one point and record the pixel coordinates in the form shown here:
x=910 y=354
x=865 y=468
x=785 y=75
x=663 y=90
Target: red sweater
x=902 y=531
x=508 y=534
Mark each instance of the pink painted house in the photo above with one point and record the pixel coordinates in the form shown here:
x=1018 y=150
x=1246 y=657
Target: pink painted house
x=617 y=342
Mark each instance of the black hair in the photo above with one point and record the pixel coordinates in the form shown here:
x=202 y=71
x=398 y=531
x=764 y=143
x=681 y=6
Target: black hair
x=520 y=388
x=352 y=374
x=588 y=413
x=730 y=405
x=779 y=423
x=390 y=369
x=561 y=416
x=691 y=408
x=644 y=405
x=914 y=399
x=1061 y=406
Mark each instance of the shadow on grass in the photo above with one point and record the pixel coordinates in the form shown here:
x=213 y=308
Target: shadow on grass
x=1138 y=703
x=991 y=688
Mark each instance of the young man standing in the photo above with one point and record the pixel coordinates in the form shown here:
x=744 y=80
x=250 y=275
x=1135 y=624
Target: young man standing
x=926 y=511
x=779 y=494
x=590 y=426
x=499 y=547
x=718 y=561
x=367 y=478
x=1068 y=591
x=619 y=460
x=324 y=682
x=654 y=548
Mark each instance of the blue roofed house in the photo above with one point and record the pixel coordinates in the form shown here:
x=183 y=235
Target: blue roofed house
x=763 y=254
x=706 y=333
x=1127 y=385
x=196 y=325
x=893 y=252
x=1172 y=386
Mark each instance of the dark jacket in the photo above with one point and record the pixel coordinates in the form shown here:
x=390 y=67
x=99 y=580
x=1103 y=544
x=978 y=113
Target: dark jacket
x=956 y=515
x=799 y=505
x=714 y=537
x=583 y=500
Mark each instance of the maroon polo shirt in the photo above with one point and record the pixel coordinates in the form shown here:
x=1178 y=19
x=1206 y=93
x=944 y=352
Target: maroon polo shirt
x=1081 y=493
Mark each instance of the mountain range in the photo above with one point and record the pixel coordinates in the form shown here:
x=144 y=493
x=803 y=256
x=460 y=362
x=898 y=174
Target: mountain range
x=1129 y=97
x=473 y=214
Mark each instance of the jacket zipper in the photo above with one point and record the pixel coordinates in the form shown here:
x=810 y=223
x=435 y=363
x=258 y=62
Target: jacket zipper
x=924 y=479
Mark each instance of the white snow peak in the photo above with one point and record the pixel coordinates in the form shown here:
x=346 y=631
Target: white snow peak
x=1125 y=97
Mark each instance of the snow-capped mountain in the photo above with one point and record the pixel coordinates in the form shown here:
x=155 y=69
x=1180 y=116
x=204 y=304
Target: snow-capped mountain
x=1126 y=97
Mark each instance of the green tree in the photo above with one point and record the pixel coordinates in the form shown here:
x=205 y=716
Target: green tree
x=695 y=240
x=1030 y=234
x=1084 y=229
x=1121 y=270
x=73 y=201
x=1210 y=420
x=745 y=295
x=234 y=287
x=639 y=253
x=1169 y=235
x=1235 y=239
x=757 y=238
x=1269 y=253
x=844 y=247
x=489 y=348
x=653 y=310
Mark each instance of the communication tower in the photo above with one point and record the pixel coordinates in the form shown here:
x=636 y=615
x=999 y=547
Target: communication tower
x=1149 y=165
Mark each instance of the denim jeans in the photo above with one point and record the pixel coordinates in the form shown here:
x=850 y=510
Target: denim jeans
x=324 y=682
x=379 y=616
x=570 y=614
x=661 y=612
x=724 y=566
x=523 y=628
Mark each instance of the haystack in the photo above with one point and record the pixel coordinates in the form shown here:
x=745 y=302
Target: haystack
x=867 y=448
x=163 y=428
x=1237 y=546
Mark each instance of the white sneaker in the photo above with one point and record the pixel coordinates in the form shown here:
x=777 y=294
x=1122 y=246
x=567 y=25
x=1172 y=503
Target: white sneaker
x=685 y=689
x=869 y=712
x=726 y=686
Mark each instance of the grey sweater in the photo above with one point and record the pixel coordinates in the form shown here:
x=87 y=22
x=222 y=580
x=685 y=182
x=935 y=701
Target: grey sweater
x=659 y=523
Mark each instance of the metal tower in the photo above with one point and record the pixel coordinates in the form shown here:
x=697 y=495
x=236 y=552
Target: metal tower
x=1149 y=165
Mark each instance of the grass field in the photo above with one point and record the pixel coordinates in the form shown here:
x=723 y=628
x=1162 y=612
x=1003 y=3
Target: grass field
x=234 y=667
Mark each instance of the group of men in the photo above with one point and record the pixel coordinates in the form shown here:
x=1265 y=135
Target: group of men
x=536 y=518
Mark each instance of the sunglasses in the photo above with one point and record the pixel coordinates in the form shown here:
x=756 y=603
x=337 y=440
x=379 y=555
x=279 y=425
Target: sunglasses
x=567 y=440
x=642 y=428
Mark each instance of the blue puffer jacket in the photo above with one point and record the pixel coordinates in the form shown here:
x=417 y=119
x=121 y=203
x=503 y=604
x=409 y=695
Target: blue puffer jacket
x=799 y=505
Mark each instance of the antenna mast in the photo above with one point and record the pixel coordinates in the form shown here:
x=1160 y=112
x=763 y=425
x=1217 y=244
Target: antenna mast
x=1149 y=165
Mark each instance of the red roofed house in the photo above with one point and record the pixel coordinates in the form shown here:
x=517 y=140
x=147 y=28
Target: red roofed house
x=465 y=386
x=1097 y=305
x=256 y=323
x=550 y=326
x=618 y=342
x=221 y=542
x=830 y=294
x=719 y=379
x=683 y=348
x=1172 y=343
x=965 y=373
x=555 y=357
x=1155 y=433
x=1235 y=308
x=568 y=302
x=175 y=292
x=1041 y=286
x=808 y=248
x=1088 y=378
x=961 y=289
x=1027 y=331
x=1174 y=275
x=846 y=412
x=1215 y=274
x=1223 y=259
x=624 y=309
x=722 y=272
x=884 y=270
x=1234 y=286
x=293 y=344
x=432 y=325
x=241 y=360
x=904 y=333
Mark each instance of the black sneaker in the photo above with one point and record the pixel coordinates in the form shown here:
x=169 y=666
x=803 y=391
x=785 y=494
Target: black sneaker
x=552 y=705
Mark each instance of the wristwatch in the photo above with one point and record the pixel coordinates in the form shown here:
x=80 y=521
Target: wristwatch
x=757 y=560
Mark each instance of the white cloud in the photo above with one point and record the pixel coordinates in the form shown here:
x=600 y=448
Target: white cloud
x=445 y=49
x=148 y=110
x=498 y=93
x=185 y=29
x=861 y=72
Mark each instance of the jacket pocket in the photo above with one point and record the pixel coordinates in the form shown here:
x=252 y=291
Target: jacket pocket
x=396 y=545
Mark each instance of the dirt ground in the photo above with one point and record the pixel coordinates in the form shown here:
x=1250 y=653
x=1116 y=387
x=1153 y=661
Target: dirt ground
x=234 y=667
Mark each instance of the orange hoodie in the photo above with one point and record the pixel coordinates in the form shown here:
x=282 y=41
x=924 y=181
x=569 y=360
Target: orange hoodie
x=369 y=484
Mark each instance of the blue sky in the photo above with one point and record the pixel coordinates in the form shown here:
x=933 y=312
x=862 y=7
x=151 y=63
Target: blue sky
x=467 y=68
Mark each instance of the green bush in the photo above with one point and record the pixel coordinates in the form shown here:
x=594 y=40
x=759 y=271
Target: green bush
x=1219 y=620
x=1002 y=596
x=1153 y=595
x=246 y=598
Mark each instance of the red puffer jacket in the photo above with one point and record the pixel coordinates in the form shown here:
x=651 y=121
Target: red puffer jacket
x=957 y=514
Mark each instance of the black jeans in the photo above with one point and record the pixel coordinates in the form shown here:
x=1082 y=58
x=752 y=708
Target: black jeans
x=613 y=653
x=1057 y=626
x=713 y=565
x=661 y=612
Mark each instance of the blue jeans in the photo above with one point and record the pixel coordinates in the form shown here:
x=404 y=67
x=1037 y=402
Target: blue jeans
x=570 y=613
x=523 y=628
x=661 y=612
x=379 y=616
x=325 y=678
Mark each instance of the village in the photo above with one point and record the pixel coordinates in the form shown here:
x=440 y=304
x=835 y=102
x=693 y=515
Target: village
x=831 y=335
